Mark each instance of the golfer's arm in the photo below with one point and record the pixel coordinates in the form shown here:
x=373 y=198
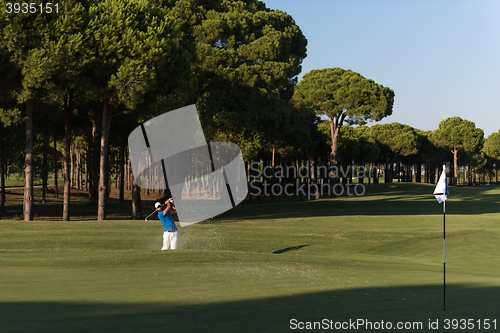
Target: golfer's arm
x=172 y=209
x=169 y=207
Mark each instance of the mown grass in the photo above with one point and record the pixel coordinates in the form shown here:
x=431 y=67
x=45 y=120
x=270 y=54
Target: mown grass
x=14 y=180
x=253 y=269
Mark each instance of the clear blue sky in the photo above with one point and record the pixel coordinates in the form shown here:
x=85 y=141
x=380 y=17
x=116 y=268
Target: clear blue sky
x=440 y=57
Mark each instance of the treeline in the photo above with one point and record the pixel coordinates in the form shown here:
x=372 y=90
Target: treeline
x=95 y=70
x=75 y=83
x=394 y=151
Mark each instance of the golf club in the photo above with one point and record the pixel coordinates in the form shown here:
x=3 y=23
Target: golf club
x=150 y=215
x=155 y=211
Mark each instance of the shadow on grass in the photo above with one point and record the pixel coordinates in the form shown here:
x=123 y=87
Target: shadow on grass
x=288 y=249
x=380 y=199
x=416 y=305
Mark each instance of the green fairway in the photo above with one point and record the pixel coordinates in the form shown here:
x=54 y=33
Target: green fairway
x=18 y=181
x=377 y=257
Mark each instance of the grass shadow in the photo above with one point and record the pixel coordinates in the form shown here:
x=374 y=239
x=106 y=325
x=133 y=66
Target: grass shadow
x=288 y=249
x=417 y=306
x=380 y=199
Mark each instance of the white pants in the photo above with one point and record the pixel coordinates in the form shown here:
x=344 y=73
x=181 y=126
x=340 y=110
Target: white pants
x=170 y=239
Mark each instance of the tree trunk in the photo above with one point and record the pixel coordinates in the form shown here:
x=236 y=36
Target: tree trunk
x=94 y=165
x=56 y=189
x=418 y=176
x=361 y=175
x=2 y=178
x=345 y=172
x=72 y=165
x=390 y=169
x=387 y=168
x=136 y=201
x=128 y=181
x=87 y=168
x=455 y=166
x=427 y=173
x=122 y=171
x=28 y=170
x=80 y=157
x=44 y=166
x=334 y=132
x=67 y=156
x=430 y=170
x=409 y=174
x=103 y=167
x=313 y=176
x=78 y=167
x=398 y=170
x=298 y=181
x=89 y=171
x=250 y=181
x=117 y=170
x=272 y=175
x=375 y=174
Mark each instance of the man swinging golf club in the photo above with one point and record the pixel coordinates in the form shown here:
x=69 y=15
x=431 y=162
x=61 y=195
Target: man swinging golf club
x=170 y=230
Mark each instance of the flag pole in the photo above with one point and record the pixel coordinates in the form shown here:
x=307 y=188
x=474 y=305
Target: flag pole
x=444 y=255
x=441 y=192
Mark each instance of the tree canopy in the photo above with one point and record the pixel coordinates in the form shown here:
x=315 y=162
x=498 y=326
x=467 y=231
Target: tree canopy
x=492 y=146
x=247 y=58
x=237 y=60
x=458 y=134
x=344 y=95
x=396 y=140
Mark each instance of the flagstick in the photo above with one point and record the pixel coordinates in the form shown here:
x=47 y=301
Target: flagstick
x=441 y=193
x=444 y=255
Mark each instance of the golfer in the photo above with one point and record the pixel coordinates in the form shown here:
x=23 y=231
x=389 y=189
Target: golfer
x=170 y=230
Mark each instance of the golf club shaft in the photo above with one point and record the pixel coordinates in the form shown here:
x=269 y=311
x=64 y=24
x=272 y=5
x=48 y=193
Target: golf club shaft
x=151 y=214
x=155 y=211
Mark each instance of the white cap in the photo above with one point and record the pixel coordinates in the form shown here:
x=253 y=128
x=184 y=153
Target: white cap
x=157 y=205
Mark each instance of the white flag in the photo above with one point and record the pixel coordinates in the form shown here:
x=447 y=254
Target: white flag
x=441 y=191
